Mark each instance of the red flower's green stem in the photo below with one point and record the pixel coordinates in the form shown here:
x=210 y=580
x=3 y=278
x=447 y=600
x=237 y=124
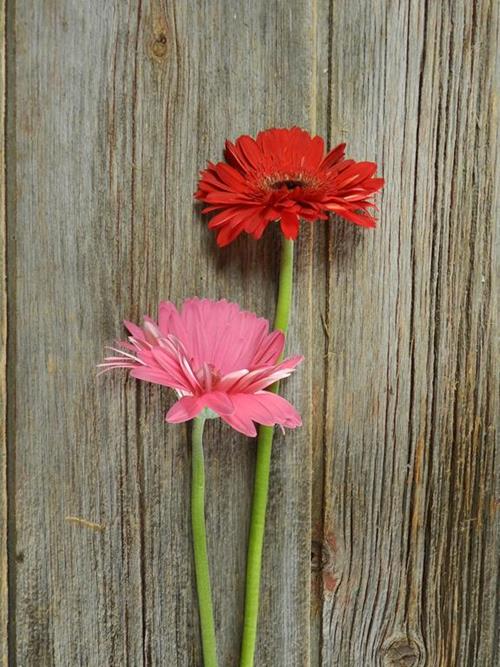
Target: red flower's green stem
x=200 y=546
x=285 y=287
x=261 y=484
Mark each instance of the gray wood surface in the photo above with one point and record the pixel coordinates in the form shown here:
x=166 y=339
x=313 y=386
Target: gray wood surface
x=411 y=397
x=4 y=600
x=382 y=538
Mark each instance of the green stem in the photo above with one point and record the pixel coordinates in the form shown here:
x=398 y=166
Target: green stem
x=200 y=546
x=261 y=484
x=283 y=306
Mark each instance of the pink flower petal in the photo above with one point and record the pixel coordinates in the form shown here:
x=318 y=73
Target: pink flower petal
x=228 y=381
x=176 y=369
x=158 y=376
x=283 y=411
x=266 y=408
x=251 y=407
x=136 y=331
x=265 y=377
x=241 y=424
x=186 y=408
x=219 y=402
x=270 y=350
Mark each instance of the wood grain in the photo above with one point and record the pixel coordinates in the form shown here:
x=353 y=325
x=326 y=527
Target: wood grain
x=380 y=546
x=118 y=107
x=409 y=494
x=4 y=600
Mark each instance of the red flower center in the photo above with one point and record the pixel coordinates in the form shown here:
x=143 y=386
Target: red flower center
x=289 y=185
x=289 y=181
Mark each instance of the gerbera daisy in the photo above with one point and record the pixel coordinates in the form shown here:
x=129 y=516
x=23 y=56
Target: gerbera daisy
x=217 y=357
x=284 y=175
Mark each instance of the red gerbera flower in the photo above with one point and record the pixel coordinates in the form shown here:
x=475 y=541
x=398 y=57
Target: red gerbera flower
x=284 y=175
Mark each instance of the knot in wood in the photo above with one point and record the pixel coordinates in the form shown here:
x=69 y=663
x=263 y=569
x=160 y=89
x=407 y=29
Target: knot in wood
x=159 y=45
x=401 y=652
x=323 y=560
x=316 y=556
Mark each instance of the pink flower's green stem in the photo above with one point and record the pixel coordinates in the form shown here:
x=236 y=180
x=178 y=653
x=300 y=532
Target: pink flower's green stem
x=261 y=484
x=200 y=546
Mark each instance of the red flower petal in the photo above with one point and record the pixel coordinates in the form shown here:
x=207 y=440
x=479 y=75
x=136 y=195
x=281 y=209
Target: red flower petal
x=289 y=225
x=249 y=150
x=334 y=156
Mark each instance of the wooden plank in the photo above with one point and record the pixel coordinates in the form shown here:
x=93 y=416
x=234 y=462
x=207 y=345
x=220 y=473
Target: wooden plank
x=409 y=543
x=117 y=107
x=319 y=353
x=4 y=598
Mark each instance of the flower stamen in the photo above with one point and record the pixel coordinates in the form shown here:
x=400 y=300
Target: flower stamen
x=288 y=184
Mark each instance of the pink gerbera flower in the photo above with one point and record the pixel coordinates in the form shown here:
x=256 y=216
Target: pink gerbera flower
x=284 y=175
x=216 y=357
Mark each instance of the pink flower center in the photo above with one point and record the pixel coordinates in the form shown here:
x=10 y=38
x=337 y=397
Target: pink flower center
x=208 y=377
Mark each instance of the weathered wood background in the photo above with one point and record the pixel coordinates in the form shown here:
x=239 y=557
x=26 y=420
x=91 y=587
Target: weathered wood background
x=381 y=536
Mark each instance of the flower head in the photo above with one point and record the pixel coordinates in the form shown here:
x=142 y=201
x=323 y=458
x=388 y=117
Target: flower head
x=215 y=356
x=284 y=175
